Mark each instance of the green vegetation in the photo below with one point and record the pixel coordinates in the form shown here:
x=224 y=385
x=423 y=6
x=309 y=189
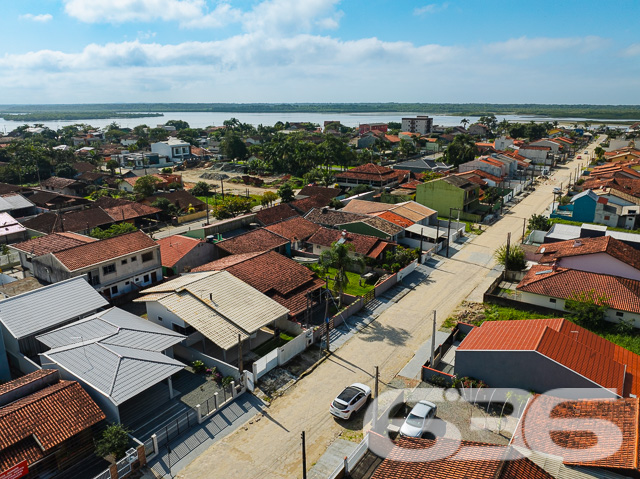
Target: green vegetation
x=539 y=222
x=353 y=287
x=114 y=442
x=631 y=112
x=577 y=223
x=512 y=258
x=113 y=230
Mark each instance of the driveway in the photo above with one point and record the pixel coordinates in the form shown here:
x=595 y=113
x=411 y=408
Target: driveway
x=272 y=447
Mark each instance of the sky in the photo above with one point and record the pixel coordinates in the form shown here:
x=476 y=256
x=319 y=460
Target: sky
x=273 y=51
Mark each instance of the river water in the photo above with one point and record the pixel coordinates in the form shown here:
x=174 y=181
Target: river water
x=204 y=119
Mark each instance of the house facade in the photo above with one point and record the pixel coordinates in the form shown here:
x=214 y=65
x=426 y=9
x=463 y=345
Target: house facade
x=176 y=150
x=451 y=193
x=113 y=266
x=420 y=124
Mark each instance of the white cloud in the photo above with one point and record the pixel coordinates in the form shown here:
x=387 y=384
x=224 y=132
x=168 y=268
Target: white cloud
x=292 y=16
x=632 y=50
x=189 y=13
x=431 y=8
x=42 y=18
x=524 y=48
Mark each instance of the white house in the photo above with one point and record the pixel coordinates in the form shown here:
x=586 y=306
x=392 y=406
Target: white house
x=176 y=150
x=503 y=143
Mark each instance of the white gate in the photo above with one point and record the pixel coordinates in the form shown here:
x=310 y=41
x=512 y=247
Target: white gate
x=265 y=364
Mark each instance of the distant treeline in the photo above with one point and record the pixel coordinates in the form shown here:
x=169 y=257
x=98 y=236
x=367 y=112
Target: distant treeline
x=54 y=115
x=114 y=110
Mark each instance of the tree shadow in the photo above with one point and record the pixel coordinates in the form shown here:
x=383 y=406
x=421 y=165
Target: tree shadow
x=378 y=332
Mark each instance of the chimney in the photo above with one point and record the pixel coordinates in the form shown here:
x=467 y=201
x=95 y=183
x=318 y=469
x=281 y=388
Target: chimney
x=344 y=233
x=577 y=243
x=554 y=266
x=211 y=297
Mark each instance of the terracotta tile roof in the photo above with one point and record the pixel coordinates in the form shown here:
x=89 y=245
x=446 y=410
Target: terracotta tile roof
x=89 y=254
x=368 y=172
x=71 y=221
x=84 y=167
x=532 y=147
x=294 y=229
x=180 y=198
x=411 y=185
x=319 y=191
x=363 y=244
x=46 y=417
x=366 y=207
x=485 y=175
x=253 y=241
x=56 y=182
x=52 y=243
x=584 y=246
x=590 y=355
x=491 y=161
x=50 y=199
x=6 y=188
x=276 y=213
x=383 y=225
x=280 y=278
x=623 y=413
x=328 y=217
x=394 y=218
x=174 y=248
x=131 y=210
x=307 y=204
x=392 y=138
x=411 y=458
x=622 y=294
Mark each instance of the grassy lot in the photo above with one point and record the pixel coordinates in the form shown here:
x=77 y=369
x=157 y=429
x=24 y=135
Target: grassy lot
x=492 y=312
x=353 y=288
x=469 y=227
x=255 y=199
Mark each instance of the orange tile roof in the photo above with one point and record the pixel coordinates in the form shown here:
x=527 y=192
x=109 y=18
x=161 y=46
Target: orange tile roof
x=276 y=213
x=590 y=355
x=622 y=294
x=35 y=424
x=412 y=458
x=85 y=255
x=368 y=171
x=363 y=244
x=491 y=161
x=621 y=413
x=52 y=243
x=584 y=246
x=394 y=218
x=174 y=248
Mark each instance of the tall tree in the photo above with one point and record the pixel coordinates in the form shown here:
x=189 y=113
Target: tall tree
x=461 y=150
x=338 y=257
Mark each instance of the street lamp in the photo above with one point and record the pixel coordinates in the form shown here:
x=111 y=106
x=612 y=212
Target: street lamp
x=449 y=226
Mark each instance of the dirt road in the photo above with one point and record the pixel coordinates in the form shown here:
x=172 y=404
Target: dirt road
x=193 y=176
x=270 y=448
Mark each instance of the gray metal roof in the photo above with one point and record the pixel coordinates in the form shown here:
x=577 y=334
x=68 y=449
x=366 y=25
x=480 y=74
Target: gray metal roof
x=46 y=308
x=118 y=372
x=564 y=232
x=14 y=202
x=220 y=306
x=117 y=327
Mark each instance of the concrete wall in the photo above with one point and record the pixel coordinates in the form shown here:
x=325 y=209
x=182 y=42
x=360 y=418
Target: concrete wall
x=201 y=254
x=189 y=355
x=526 y=370
x=157 y=313
x=440 y=196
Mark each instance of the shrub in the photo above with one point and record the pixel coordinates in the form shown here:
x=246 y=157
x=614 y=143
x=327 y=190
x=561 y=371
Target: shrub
x=227 y=380
x=114 y=441
x=198 y=366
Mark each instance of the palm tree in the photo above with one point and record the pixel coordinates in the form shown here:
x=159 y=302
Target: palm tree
x=464 y=122
x=338 y=257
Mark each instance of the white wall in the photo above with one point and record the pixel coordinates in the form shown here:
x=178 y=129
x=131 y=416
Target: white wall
x=155 y=311
x=600 y=263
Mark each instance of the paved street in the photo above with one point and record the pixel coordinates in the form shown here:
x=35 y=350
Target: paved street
x=271 y=448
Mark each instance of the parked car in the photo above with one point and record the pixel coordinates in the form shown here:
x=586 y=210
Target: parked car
x=417 y=422
x=579 y=157
x=586 y=152
x=350 y=400
x=557 y=190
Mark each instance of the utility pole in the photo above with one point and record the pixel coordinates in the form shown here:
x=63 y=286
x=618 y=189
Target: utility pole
x=240 y=365
x=304 y=457
x=506 y=259
x=222 y=184
x=326 y=316
x=433 y=340
x=207 y=208
x=524 y=224
x=374 y=420
x=449 y=231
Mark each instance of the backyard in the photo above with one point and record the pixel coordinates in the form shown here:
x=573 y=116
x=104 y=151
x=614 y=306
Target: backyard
x=356 y=286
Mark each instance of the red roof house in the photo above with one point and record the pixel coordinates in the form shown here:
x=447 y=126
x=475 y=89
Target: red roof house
x=181 y=253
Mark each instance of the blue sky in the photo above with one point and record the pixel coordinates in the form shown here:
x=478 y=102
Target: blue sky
x=88 y=51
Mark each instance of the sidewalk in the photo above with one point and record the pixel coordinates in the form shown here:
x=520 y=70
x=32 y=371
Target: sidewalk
x=185 y=448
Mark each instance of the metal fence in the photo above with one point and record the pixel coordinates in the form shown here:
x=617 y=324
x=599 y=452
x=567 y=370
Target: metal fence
x=214 y=402
x=148 y=447
x=176 y=427
x=104 y=475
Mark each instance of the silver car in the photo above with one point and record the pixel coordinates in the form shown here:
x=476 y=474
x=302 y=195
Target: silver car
x=418 y=419
x=350 y=400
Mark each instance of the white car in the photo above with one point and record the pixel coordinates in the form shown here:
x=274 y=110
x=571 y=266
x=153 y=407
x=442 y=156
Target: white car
x=350 y=400
x=586 y=152
x=557 y=190
x=418 y=419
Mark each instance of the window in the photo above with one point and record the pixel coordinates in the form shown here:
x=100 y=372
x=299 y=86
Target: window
x=186 y=331
x=124 y=261
x=606 y=217
x=552 y=300
x=108 y=269
x=160 y=318
x=114 y=290
x=145 y=279
x=619 y=314
x=126 y=283
x=147 y=256
x=134 y=258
